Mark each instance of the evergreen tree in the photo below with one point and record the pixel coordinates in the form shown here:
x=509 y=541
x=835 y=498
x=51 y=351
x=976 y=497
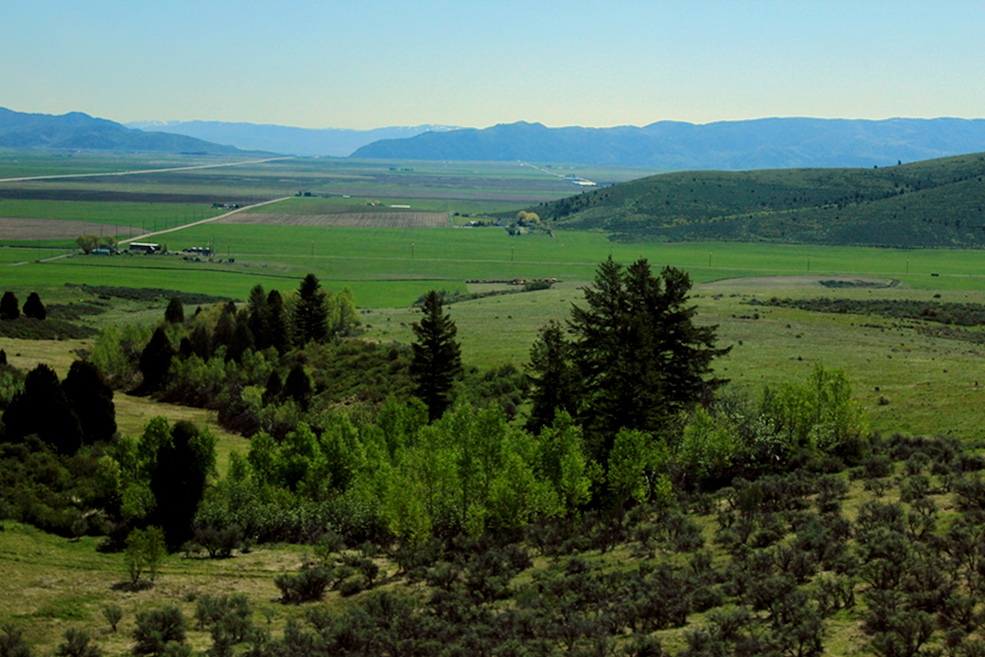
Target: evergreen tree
x=175 y=312
x=639 y=356
x=92 y=401
x=298 y=386
x=242 y=338
x=225 y=328
x=155 y=361
x=43 y=409
x=274 y=388
x=552 y=377
x=257 y=310
x=310 y=312
x=33 y=307
x=9 y=306
x=437 y=358
x=276 y=324
x=178 y=478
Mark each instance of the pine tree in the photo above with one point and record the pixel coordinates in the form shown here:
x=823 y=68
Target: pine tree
x=310 y=312
x=639 y=355
x=552 y=377
x=42 y=408
x=276 y=324
x=9 y=306
x=298 y=386
x=155 y=361
x=175 y=312
x=437 y=358
x=33 y=307
x=181 y=467
x=257 y=309
x=92 y=401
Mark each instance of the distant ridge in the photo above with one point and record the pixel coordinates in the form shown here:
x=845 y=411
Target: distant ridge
x=770 y=143
x=334 y=142
x=77 y=131
x=928 y=204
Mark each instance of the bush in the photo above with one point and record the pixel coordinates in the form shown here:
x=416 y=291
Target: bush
x=307 y=586
x=77 y=645
x=158 y=628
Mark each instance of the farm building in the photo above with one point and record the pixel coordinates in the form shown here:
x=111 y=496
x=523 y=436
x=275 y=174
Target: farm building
x=144 y=247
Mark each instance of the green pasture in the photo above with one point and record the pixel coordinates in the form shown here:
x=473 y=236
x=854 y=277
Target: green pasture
x=392 y=267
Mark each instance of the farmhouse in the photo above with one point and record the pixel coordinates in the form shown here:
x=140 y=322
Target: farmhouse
x=144 y=247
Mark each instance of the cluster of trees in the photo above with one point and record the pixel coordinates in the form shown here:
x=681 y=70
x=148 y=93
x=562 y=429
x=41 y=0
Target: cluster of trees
x=88 y=242
x=63 y=414
x=10 y=307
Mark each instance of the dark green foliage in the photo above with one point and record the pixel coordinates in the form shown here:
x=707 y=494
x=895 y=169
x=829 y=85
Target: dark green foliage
x=257 y=312
x=307 y=586
x=935 y=203
x=552 y=377
x=113 y=615
x=225 y=328
x=437 y=358
x=310 y=312
x=3 y=358
x=155 y=361
x=9 y=306
x=949 y=313
x=92 y=400
x=242 y=338
x=273 y=389
x=276 y=327
x=44 y=409
x=178 y=480
x=298 y=386
x=12 y=643
x=639 y=356
x=175 y=312
x=158 y=628
x=77 y=644
x=149 y=294
x=33 y=308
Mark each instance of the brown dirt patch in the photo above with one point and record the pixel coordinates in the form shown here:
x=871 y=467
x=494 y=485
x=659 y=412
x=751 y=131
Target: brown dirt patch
x=51 y=229
x=344 y=220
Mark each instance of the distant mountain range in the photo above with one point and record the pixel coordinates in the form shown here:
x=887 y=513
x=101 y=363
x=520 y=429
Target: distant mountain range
x=778 y=143
x=78 y=131
x=335 y=142
x=732 y=145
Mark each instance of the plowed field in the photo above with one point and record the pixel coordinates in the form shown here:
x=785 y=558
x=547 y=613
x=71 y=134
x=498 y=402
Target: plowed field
x=345 y=220
x=51 y=229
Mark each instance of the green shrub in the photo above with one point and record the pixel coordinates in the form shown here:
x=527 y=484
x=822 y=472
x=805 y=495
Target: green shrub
x=307 y=586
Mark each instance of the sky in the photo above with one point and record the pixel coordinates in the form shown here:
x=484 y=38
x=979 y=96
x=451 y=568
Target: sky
x=367 y=63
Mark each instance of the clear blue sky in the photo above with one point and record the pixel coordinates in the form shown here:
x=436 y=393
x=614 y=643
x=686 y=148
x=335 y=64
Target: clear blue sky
x=369 y=63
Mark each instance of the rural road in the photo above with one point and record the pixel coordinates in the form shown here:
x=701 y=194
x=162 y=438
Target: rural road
x=201 y=221
x=160 y=232
x=138 y=172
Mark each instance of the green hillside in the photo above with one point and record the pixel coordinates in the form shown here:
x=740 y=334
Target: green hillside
x=934 y=203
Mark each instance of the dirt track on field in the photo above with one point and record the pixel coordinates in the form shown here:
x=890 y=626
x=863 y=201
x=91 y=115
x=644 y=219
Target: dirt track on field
x=51 y=229
x=344 y=220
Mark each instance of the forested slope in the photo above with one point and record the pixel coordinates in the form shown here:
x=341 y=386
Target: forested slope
x=935 y=203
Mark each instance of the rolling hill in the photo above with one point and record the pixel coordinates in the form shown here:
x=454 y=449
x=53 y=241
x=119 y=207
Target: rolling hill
x=77 y=131
x=934 y=203
x=729 y=145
